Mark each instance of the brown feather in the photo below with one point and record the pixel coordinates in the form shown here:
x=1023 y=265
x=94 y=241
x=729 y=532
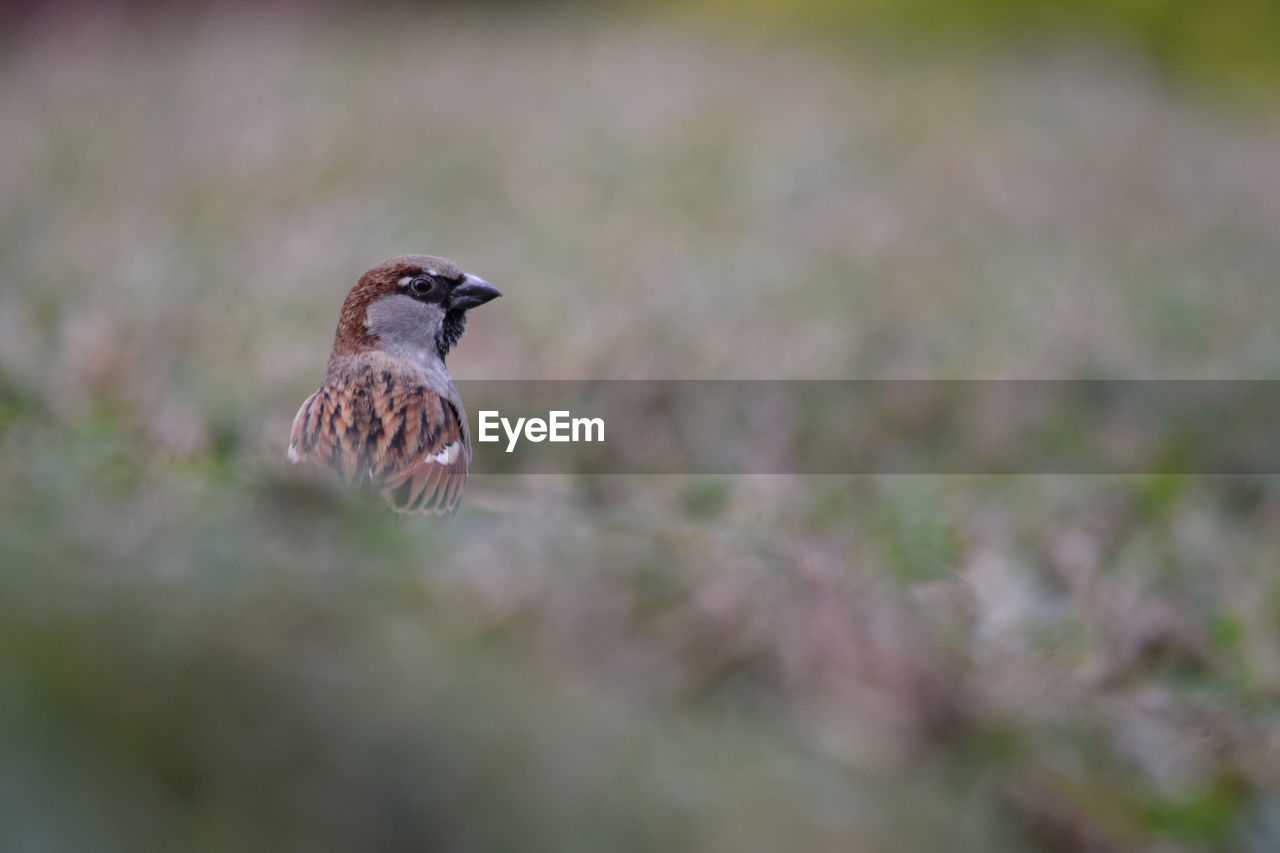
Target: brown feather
x=375 y=428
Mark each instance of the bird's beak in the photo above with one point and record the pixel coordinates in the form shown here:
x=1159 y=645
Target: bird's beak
x=471 y=292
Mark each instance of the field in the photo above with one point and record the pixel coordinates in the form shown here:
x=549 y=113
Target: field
x=199 y=651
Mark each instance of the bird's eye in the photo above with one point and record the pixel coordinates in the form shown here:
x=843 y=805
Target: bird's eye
x=422 y=285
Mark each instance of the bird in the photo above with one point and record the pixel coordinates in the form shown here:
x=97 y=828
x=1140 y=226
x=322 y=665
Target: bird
x=387 y=415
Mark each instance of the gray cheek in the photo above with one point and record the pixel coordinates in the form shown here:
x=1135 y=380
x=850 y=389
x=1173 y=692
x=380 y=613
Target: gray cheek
x=403 y=323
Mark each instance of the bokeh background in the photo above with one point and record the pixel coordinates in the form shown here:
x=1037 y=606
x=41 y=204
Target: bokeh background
x=200 y=652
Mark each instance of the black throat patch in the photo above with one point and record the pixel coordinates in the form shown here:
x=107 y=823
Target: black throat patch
x=450 y=333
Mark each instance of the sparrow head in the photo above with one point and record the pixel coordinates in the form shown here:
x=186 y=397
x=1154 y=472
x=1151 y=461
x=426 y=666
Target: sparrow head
x=413 y=306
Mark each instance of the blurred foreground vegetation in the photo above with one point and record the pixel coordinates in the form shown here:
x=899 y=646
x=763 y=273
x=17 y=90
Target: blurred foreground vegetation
x=199 y=651
x=206 y=653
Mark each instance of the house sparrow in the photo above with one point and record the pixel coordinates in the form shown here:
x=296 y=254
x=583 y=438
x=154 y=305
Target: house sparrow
x=387 y=414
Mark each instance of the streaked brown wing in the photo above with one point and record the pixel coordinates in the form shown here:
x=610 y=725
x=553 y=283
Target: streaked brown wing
x=400 y=438
x=425 y=456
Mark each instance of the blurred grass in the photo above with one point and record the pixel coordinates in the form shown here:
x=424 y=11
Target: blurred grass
x=1225 y=47
x=199 y=652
